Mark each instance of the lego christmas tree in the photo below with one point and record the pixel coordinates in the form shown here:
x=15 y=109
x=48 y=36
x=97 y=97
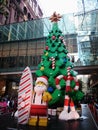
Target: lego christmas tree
x=56 y=65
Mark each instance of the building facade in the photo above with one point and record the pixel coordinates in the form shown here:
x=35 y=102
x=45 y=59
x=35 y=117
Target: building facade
x=12 y=11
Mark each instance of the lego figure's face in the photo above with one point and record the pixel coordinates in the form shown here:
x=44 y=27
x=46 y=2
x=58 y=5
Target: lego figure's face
x=40 y=87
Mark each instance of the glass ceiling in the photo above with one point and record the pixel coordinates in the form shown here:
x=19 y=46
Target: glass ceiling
x=69 y=24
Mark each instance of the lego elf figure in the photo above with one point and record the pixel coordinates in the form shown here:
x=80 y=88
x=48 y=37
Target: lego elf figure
x=69 y=112
x=39 y=105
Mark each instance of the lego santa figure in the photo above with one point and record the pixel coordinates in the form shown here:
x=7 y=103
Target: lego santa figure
x=39 y=106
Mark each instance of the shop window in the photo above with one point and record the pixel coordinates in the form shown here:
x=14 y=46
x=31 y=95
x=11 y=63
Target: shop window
x=0 y=62
x=38 y=59
x=33 y=61
x=25 y=10
x=26 y=60
x=73 y=59
x=21 y=61
x=29 y=16
x=5 y=62
x=12 y=61
x=19 y=1
x=17 y=15
x=29 y=60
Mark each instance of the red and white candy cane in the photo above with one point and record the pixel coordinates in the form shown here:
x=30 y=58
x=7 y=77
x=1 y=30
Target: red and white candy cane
x=53 y=62
x=68 y=80
x=57 y=80
x=62 y=38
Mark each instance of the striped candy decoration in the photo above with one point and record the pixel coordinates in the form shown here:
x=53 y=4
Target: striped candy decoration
x=66 y=102
x=62 y=38
x=72 y=78
x=53 y=62
x=57 y=80
x=68 y=80
x=25 y=96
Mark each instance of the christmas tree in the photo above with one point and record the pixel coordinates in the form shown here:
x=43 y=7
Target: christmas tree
x=56 y=65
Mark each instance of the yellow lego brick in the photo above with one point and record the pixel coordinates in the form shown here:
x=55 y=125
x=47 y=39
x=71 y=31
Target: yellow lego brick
x=32 y=121
x=43 y=122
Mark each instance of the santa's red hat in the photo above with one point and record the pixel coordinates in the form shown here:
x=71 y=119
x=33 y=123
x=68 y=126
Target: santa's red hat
x=43 y=79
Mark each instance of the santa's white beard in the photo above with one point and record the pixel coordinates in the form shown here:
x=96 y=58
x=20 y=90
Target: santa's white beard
x=40 y=88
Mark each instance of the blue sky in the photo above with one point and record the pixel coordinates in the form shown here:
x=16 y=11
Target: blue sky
x=60 y=6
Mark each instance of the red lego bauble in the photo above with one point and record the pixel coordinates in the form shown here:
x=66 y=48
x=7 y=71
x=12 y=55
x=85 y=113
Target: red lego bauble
x=47 y=47
x=53 y=37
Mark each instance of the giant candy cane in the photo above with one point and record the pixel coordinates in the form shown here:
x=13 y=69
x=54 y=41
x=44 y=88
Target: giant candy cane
x=68 y=80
